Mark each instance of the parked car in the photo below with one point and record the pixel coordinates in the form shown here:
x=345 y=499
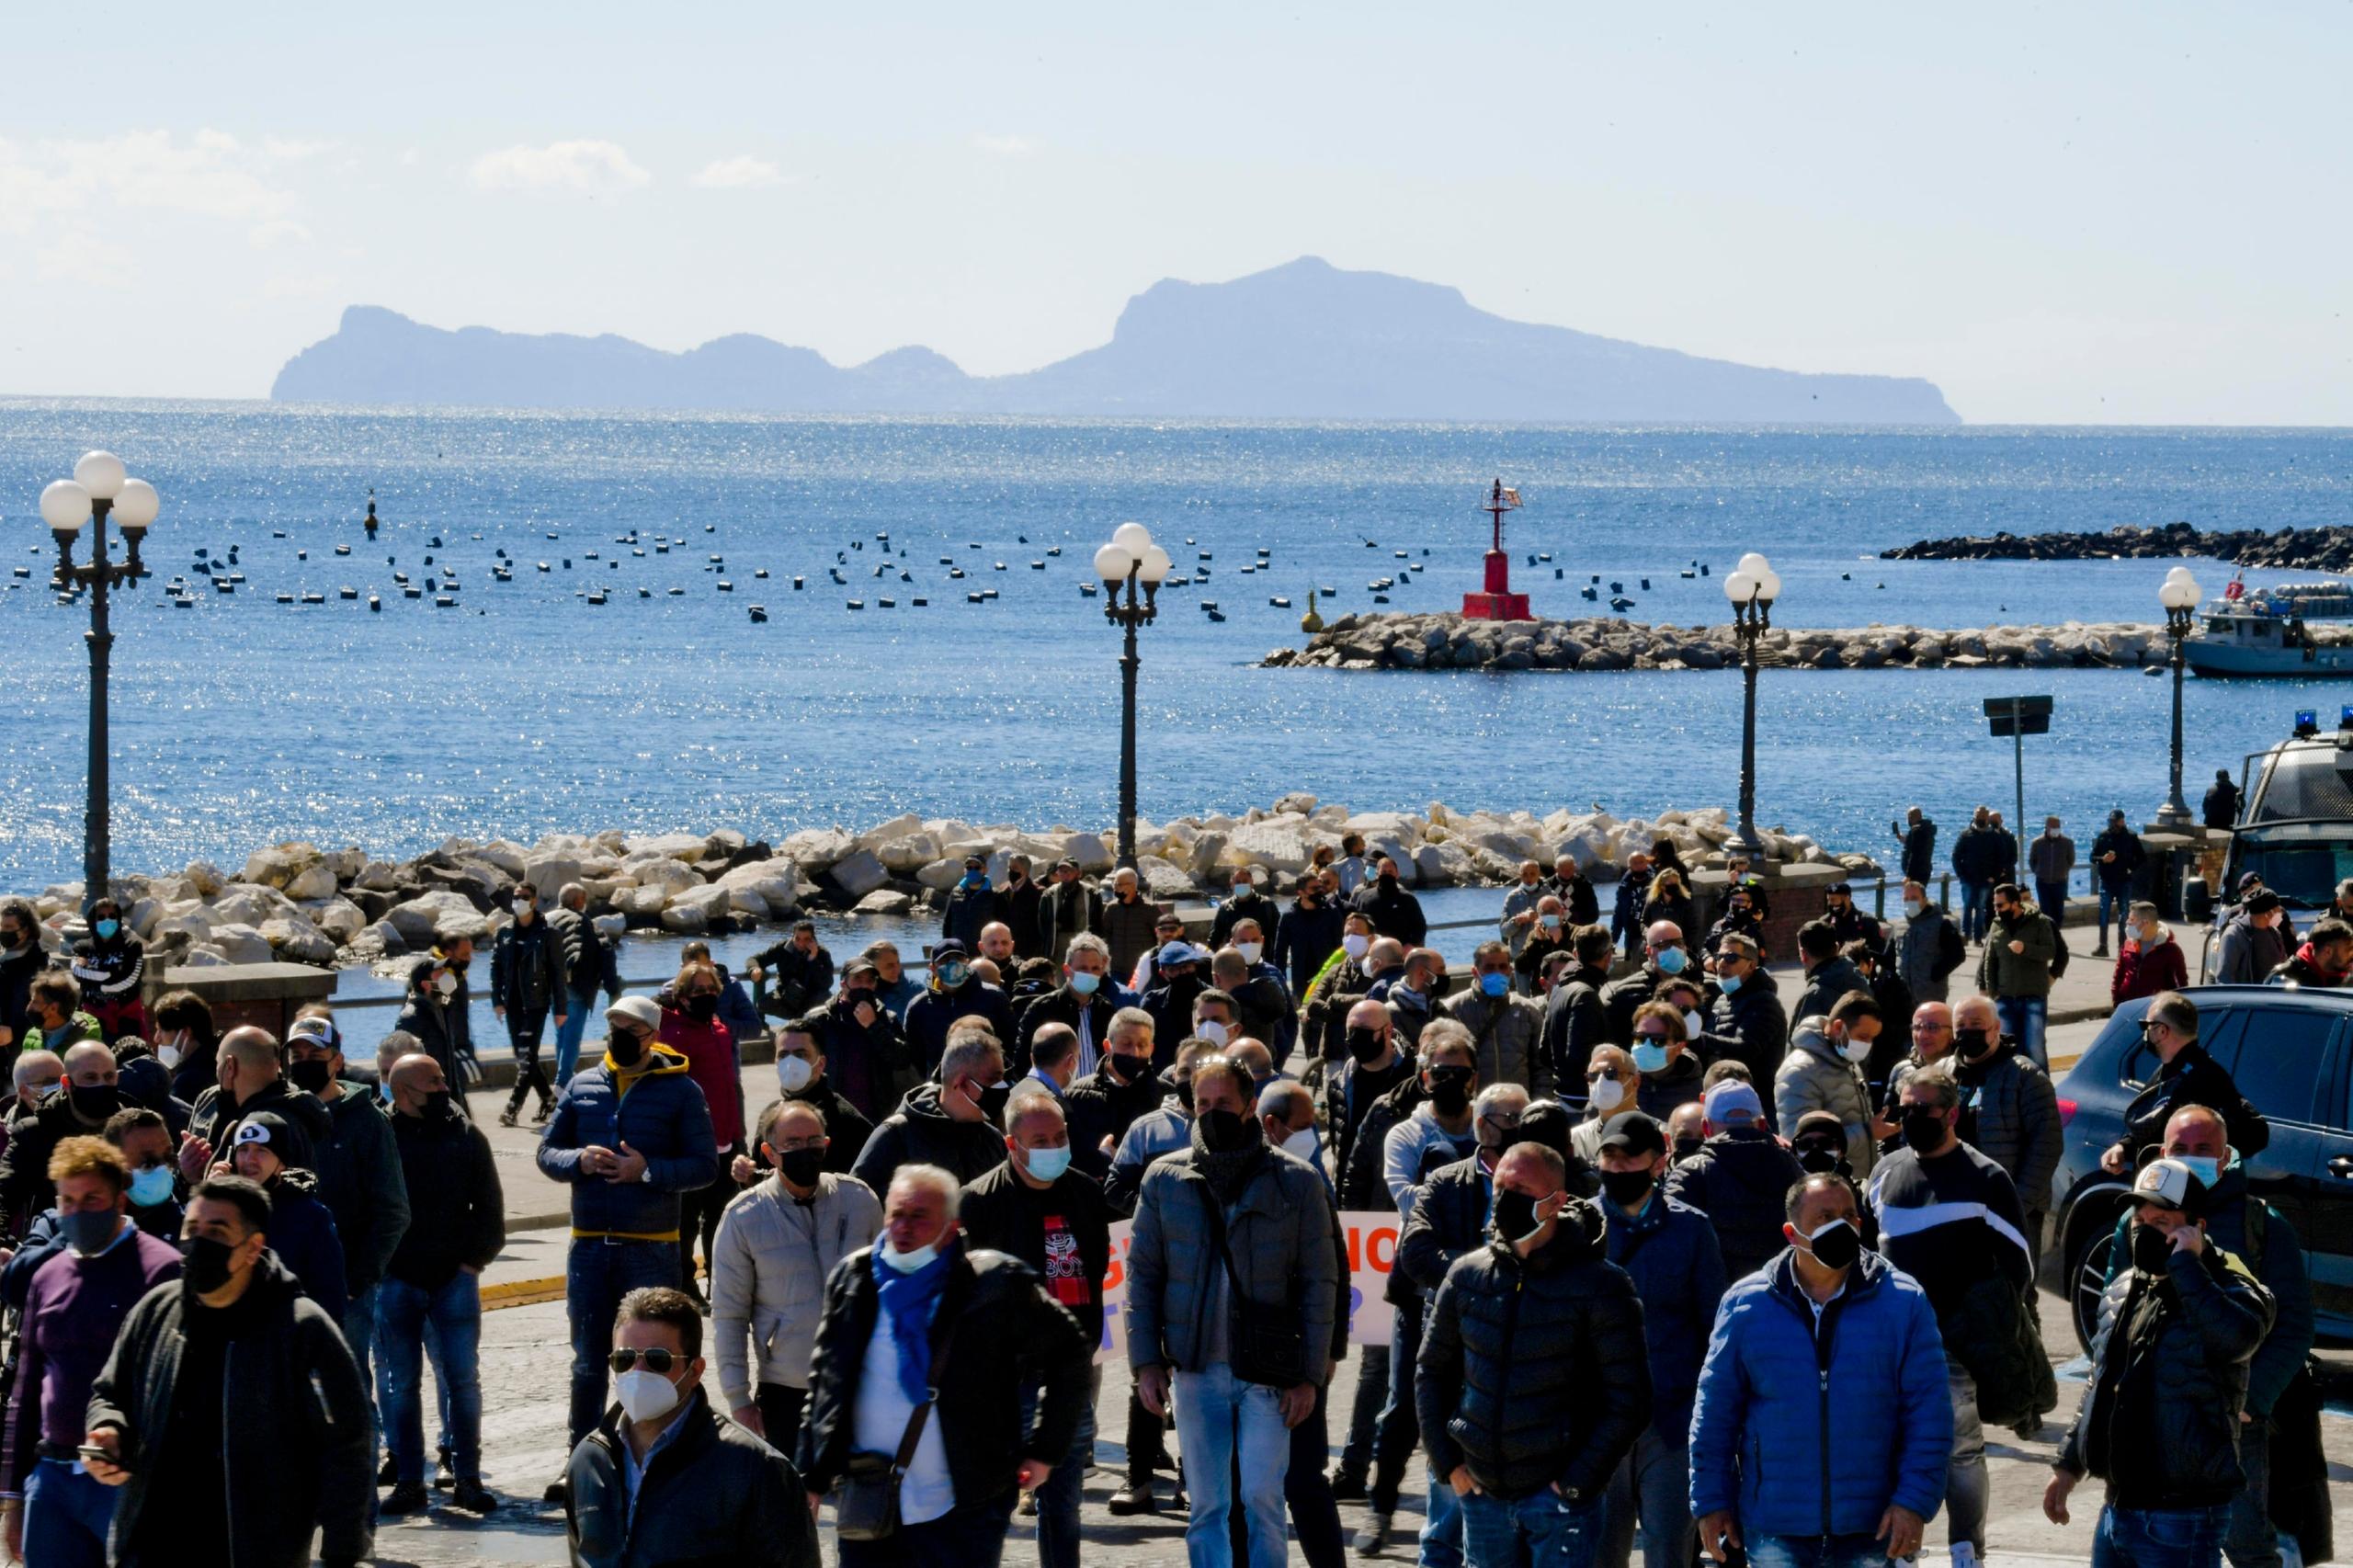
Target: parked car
x=2295 y=831
x=2291 y=1054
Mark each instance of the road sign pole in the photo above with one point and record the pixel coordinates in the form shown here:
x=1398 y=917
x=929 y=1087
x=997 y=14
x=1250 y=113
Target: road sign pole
x=2017 y=757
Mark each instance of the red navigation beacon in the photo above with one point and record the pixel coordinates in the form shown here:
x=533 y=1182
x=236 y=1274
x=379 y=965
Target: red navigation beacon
x=1499 y=603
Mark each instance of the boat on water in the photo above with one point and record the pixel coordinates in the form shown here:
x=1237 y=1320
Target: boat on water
x=2268 y=632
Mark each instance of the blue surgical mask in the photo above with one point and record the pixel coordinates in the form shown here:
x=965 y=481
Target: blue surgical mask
x=1494 y=982
x=2206 y=1167
x=1671 y=961
x=1728 y=983
x=1083 y=984
x=907 y=1262
x=151 y=1185
x=952 y=975
x=1047 y=1164
x=88 y=1233
x=106 y=928
x=1649 y=1055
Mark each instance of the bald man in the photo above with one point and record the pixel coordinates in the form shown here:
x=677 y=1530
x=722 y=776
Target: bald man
x=250 y=1077
x=78 y=1109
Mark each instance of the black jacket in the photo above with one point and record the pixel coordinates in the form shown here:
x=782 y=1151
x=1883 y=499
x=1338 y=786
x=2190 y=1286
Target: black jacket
x=867 y=1065
x=2129 y=852
x=452 y=1184
x=1393 y=912
x=1533 y=1372
x=1449 y=1219
x=1304 y=939
x=2193 y=1078
x=1067 y=910
x=968 y=910
x=1003 y=1213
x=1098 y=1107
x=528 y=971
x=937 y=1009
x=1024 y=902
x=1233 y=911
x=920 y=1133
x=590 y=964
x=359 y=1181
x=294 y=1433
x=797 y=982
x=1739 y=1179
x=1576 y=1019
x=1748 y=1025
x=1977 y=854
x=1577 y=897
x=999 y=1330
x=712 y=1496
x=2160 y=1417
x=1363 y=1183
x=25 y=1186
x=1059 y=1005
x=1919 y=857
x=846 y=1125
x=2220 y=807
x=1825 y=984
x=214 y=1118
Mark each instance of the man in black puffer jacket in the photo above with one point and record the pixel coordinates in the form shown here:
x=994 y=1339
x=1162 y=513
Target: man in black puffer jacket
x=1739 y=1178
x=2160 y=1417
x=1534 y=1381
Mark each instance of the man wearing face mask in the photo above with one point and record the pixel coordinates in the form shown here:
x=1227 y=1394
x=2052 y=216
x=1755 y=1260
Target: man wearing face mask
x=1664 y=956
x=2187 y=1075
x=952 y=1123
x=2253 y=944
x=435 y=1012
x=1343 y=982
x=107 y=967
x=33 y=1078
x=777 y=1242
x=1308 y=934
x=1685 y=1131
x=1949 y=1218
x=1127 y=921
x=1736 y=1177
x=1164 y=1130
x=629 y=1135
x=1393 y=911
x=50 y=1510
x=2009 y=1112
x=971 y=904
x=1412 y=993
x=1550 y=934
x=78 y=1110
x=863 y=1041
x=2254 y=1232
x=1669 y=1250
x=663 y=1479
x=249 y=1077
x=434 y=1283
x=1247 y=901
x=528 y=977
x=1262 y=1007
x=1069 y=909
x=1036 y=1207
x=800 y=1078
x=1102 y=1105
x=1374 y=1066
x=1569 y=883
x=1824 y=1072
x=1626 y=907
x=2015 y=969
x=1504 y=1026
x=1082 y=1000
x=924 y=1313
x=1661 y=1053
x=241 y=1468
x=1575 y=1019
x=954 y=994
x=1533 y=1384
x=21 y=959
x=1233 y=1290
x=1823 y=1415
x=1928 y=949
x=2160 y=1419
x=1612 y=1084
x=1518 y=923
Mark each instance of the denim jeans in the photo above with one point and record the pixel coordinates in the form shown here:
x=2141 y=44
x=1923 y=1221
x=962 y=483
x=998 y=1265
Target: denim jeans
x=2022 y=1017
x=2117 y=899
x=1396 y=1431
x=1976 y=908
x=1364 y=1409
x=970 y=1535
x=1058 y=1499
x=1441 y=1543
x=596 y=1276
x=1965 y=1490
x=2051 y=899
x=1542 y=1529
x=578 y=1009
x=1649 y=1488
x=1220 y=1418
x=1815 y=1552
x=66 y=1518
x=1307 y=1492
x=403 y=1310
x=524 y=1032
x=2160 y=1537
x=2253 y=1541
x=359 y=1336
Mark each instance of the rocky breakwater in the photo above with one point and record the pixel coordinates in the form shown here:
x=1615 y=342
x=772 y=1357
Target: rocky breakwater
x=2291 y=550
x=1448 y=641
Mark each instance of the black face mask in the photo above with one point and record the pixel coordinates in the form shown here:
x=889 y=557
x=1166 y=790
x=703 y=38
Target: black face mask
x=1923 y=1130
x=1821 y=1159
x=1972 y=1043
x=436 y=1103
x=702 y=1009
x=204 y=1268
x=992 y=1101
x=1450 y=1089
x=1227 y=1132
x=1686 y=1147
x=94 y=1102
x=312 y=1075
x=1125 y=1068
x=1515 y=1216
x=1183 y=1089
x=1366 y=1045
x=457 y=966
x=1837 y=1246
x=1626 y=1188
x=624 y=1046
x=802 y=1168
x=2150 y=1248
x=1388 y=881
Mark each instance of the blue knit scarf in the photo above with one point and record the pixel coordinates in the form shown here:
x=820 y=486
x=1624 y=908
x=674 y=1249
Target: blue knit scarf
x=907 y=1301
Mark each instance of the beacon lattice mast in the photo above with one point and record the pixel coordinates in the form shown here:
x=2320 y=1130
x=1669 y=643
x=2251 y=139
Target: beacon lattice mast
x=1498 y=602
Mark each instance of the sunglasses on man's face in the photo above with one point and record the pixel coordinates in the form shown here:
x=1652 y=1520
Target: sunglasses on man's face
x=657 y=1360
x=1599 y=1074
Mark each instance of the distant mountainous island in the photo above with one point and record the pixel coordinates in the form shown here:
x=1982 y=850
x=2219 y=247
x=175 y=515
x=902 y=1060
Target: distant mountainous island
x=1302 y=341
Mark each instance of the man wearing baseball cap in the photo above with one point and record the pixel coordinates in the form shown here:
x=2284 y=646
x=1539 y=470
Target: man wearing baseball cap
x=629 y=1135
x=2160 y=1417
x=1738 y=1177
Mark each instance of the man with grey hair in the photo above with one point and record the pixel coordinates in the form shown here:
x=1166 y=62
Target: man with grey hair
x=1102 y=1105
x=926 y=1333
x=950 y=1122
x=1083 y=1000
x=35 y=1075
x=249 y=1077
x=591 y=963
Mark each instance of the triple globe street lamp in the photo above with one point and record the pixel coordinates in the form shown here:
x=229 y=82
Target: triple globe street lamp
x=1131 y=561
x=1752 y=586
x=98 y=489
x=2179 y=595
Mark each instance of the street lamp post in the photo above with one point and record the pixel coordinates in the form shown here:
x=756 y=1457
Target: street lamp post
x=1752 y=586
x=98 y=488
x=1131 y=561
x=2179 y=596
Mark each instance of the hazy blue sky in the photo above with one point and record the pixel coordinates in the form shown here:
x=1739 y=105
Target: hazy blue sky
x=2064 y=212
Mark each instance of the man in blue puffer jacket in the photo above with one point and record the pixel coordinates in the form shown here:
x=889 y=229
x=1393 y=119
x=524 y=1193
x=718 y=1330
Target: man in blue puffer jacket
x=629 y=1135
x=1825 y=1326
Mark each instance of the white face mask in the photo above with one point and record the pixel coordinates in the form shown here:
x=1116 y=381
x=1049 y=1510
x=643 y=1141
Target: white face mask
x=793 y=1073
x=1302 y=1144
x=646 y=1395
x=445 y=983
x=169 y=1055
x=1914 y=908
x=908 y=1262
x=1606 y=1094
x=1210 y=1030
x=1249 y=950
x=1354 y=944
x=1693 y=1024
x=1855 y=1050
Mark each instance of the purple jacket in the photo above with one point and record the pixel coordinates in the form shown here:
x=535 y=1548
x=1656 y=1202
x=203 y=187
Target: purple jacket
x=71 y=1313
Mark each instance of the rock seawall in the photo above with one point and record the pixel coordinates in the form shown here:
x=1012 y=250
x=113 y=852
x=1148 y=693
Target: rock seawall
x=2291 y=550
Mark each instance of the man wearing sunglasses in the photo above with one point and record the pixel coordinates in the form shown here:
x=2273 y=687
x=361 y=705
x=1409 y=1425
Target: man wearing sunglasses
x=662 y=1478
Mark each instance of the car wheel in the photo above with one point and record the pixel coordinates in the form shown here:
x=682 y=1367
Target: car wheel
x=2088 y=1282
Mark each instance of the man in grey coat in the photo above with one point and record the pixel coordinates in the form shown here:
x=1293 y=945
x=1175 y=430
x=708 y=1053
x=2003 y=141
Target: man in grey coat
x=1245 y=1344
x=1506 y=1027
x=1930 y=947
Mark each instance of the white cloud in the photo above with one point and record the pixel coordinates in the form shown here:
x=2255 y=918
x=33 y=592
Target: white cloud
x=209 y=175
x=585 y=168
x=742 y=172
x=294 y=148
x=1005 y=146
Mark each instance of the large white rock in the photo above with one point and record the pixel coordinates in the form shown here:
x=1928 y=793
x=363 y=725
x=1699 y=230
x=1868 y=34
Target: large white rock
x=1092 y=851
x=338 y=917
x=205 y=877
x=507 y=856
x=299 y=941
x=885 y=901
x=1162 y=880
x=239 y=943
x=744 y=901
x=430 y=916
x=860 y=873
x=942 y=875
x=1400 y=825
x=279 y=864
x=671 y=876
x=1278 y=846
x=549 y=872
x=816 y=849
x=379 y=876
x=688 y=846
x=686 y=918
x=1205 y=853
x=345 y=863
x=384 y=936
x=641 y=901
x=709 y=897
x=899 y=826
x=242 y=904
x=909 y=853
x=313 y=881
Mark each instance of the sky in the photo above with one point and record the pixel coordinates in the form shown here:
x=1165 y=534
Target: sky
x=2072 y=213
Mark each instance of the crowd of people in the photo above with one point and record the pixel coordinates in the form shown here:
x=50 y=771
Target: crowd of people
x=1690 y=1254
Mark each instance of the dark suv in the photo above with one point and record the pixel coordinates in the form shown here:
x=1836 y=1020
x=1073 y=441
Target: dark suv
x=2291 y=1052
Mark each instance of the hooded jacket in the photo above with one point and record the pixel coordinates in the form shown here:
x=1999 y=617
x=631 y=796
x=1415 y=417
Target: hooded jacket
x=1807 y=1431
x=2143 y=970
x=659 y=1113
x=2001 y=972
x=1825 y=984
x=302 y=1236
x=1749 y=1026
x=1814 y=1076
x=1533 y=1372
x=527 y=972
x=1669 y=1251
x=215 y=1116
x=2304 y=968
x=2248 y=952
x=920 y=1132
x=294 y=1437
x=768 y=1266
x=1738 y=1179
x=713 y=1062
x=450 y=1177
x=711 y=1493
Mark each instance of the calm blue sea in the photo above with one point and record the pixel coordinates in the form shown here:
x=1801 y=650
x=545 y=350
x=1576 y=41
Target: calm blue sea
x=241 y=721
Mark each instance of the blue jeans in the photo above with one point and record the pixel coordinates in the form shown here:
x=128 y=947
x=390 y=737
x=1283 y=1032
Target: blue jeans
x=1976 y=908
x=2023 y=1016
x=2052 y=899
x=567 y=1039
x=1542 y=1529
x=596 y=1276
x=66 y=1518
x=455 y=1313
x=1441 y=1543
x=360 y=1335
x=1058 y=1499
x=1649 y=1488
x=1815 y=1552
x=2160 y=1537
x=1220 y=1418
